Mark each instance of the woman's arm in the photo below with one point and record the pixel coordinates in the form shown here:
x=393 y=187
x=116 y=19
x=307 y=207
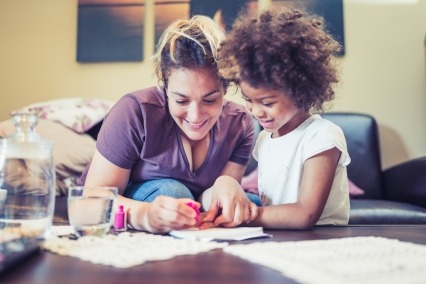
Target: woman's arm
x=317 y=180
x=162 y=215
x=104 y=173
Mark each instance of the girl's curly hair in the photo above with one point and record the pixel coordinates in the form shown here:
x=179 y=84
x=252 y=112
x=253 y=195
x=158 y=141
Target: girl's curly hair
x=283 y=49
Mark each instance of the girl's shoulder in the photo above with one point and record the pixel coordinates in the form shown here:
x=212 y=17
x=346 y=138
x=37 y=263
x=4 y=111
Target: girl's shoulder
x=322 y=125
x=324 y=132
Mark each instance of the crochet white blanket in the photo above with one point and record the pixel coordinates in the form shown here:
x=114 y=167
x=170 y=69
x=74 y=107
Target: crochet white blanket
x=127 y=249
x=347 y=260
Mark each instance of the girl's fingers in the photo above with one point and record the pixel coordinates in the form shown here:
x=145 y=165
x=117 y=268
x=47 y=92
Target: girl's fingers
x=254 y=211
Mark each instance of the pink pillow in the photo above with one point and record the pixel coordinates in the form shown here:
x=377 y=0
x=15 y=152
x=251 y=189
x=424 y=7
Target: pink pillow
x=71 y=151
x=78 y=114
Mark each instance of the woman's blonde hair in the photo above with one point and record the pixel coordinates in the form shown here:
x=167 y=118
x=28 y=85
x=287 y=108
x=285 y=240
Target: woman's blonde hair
x=189 y=43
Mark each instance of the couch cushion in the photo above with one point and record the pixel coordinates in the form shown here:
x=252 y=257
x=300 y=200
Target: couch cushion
x=71 y=151
x=374 y=212
x=361 y=133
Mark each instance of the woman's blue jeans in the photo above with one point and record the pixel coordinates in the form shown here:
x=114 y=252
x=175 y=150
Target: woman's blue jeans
x=149 y=190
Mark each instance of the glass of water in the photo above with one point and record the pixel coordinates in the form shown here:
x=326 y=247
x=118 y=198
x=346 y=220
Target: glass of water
x=90 y=209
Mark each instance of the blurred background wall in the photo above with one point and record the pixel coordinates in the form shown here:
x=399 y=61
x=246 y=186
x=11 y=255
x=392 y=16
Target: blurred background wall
x=383 y=69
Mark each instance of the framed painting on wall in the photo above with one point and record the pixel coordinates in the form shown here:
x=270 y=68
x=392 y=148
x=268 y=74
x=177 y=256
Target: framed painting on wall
x=330 y=10
x=110 y=30
x=166 y=12
x=223 y=12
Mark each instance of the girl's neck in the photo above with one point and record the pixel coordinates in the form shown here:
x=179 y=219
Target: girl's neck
x=294 y=122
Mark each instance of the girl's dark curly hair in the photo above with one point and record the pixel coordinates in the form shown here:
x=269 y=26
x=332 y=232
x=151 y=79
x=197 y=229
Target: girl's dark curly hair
x=282 y=49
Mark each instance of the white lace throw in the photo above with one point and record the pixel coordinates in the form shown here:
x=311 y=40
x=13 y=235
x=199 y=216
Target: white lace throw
x=127 y=249
x=347 y=260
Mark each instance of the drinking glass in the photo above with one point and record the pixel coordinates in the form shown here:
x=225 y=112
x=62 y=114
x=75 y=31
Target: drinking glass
x=90 y=209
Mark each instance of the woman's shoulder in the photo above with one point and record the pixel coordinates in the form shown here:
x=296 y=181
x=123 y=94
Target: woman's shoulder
x=235 y=116
x=148 y=96
x=234 y=109
x=139 y=104
x=234 y=105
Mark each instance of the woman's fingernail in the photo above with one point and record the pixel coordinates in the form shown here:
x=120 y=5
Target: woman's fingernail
x=193 y=206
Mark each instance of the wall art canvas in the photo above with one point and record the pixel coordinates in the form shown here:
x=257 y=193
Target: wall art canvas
x=166 y=12
x=110 y=30
x=223 y=12
x=330 y=10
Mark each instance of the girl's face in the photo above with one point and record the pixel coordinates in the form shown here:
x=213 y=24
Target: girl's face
x=277 y=113
x=195 y=98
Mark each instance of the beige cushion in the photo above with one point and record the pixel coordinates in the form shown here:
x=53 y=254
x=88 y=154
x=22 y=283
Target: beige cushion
x=78 y=114
x=71 y=151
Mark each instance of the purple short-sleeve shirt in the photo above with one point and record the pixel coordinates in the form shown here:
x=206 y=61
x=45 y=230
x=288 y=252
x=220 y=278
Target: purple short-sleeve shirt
x=139 y=134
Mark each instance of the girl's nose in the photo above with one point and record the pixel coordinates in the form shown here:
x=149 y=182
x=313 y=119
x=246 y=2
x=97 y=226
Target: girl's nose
x=255 y=110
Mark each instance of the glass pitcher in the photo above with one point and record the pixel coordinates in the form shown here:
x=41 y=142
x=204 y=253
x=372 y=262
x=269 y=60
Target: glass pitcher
x=27 y=181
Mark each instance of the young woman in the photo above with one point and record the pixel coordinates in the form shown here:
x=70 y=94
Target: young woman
x=165 y=146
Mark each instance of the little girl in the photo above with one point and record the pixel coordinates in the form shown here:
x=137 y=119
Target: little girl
x=282 y=62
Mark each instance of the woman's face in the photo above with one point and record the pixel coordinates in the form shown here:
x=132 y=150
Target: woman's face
x=195 y=98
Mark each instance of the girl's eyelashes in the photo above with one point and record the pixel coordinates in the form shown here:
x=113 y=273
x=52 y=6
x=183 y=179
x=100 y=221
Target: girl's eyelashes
x=267 y=104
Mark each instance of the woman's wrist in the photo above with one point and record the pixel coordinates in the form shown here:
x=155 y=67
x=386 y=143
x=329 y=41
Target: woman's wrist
x=145 y=223
x=138 y=217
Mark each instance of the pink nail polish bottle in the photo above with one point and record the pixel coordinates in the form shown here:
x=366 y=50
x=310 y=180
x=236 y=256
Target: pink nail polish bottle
x=120 y=222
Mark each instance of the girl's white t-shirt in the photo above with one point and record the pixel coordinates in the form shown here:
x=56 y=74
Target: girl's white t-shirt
x=280 y=162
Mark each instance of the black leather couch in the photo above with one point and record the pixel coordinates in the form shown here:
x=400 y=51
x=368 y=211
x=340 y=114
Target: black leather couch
x=393 y=196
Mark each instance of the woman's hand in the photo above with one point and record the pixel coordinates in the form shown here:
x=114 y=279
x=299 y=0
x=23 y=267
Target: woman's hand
x=227 y=203
x=166 y=213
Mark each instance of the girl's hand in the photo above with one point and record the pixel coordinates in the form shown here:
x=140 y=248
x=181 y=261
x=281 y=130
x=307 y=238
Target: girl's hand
x=166 y=213
x=202 y=224
x=229 y=206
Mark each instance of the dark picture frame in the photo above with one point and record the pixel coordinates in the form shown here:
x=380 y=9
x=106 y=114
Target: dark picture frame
x=330 y=10
x=166 y=12
x=223 y=12
x=110 y=30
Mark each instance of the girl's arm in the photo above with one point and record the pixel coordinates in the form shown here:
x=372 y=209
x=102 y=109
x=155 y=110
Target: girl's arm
x=162 y=215
x=317 y=180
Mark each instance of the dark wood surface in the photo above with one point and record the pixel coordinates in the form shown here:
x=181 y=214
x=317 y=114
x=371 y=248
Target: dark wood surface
x=215 y=267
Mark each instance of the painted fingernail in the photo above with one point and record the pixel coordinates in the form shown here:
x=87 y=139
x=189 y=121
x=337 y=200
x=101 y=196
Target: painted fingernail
x=193 y=206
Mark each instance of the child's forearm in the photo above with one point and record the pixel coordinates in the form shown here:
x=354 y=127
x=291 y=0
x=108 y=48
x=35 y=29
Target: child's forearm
x=284 y=216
